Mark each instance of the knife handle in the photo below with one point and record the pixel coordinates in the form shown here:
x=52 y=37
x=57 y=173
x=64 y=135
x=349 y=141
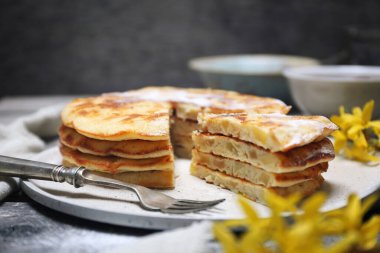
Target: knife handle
x=16 y=167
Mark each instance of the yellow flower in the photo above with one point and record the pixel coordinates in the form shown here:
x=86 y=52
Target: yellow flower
x=364 y=235
x=303 y=229
x=360 y=154
x=340 y=140
x=279 y=204
x=358 y=136
x=225 y=237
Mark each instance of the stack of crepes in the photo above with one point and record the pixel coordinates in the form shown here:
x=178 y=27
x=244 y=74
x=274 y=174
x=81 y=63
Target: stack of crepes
x=255 y=153
x=188 y=103
x=126 y=135
x=119 y=138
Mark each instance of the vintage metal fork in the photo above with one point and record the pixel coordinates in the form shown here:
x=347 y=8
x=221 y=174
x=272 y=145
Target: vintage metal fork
x=79 y=176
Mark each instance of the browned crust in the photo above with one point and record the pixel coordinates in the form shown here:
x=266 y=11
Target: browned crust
x=321 y=151
x=316 y=151
x=308 y=173
x=153 y=178
x=121 y=133
x=305 y=188
x=128 y=149
x=112 y=164
x=110 y=107
x=314 y=185
x=311 y=172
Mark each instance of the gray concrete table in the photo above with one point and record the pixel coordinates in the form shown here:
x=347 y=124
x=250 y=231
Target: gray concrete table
x=26 y=226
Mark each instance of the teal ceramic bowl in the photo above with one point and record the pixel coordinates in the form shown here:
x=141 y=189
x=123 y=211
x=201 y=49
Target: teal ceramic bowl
x=259 y=75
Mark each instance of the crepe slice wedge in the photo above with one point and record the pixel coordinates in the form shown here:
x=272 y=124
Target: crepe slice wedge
x=274 y=132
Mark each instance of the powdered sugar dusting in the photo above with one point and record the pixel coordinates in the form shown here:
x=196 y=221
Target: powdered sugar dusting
x=202 y=98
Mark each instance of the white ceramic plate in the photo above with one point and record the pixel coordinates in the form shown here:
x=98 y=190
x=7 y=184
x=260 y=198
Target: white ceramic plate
x=119 y=206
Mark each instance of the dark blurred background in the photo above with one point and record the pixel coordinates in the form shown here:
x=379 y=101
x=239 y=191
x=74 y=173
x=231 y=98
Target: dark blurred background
x=88 y=46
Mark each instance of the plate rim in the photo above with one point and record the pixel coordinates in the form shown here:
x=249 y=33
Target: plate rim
x=105 y=216
x=131 y=219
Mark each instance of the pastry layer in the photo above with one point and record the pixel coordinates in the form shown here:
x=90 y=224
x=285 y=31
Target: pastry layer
x=160 y=179
x=275 y=132
x=254 y=174
x=183 y=141
x=189 y=102
x=182 y=127
x=182 y=145
x=114 y=164
x=134 y=149
x=182 y=152
x=117 y=118
x=250 y=190
x=296 y=159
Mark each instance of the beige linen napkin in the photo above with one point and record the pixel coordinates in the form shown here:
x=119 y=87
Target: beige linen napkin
x=23 y=139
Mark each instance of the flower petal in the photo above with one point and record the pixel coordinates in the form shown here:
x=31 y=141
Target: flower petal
x=368 y=203
x=348 y=121
x=341 y=110
x=340 y=140
x=343 y=245
x=280 y=204
x=248 y=210
x=360 y=141
x=369 y=232
x=375 y=126
x=225 y=237
x=314 y=203
x=353 y=211
x=359 y=154
x=367 y=111
x=357 y=112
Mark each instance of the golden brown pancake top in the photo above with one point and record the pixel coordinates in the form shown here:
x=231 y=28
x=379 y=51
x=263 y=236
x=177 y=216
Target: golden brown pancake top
x=144 y=114
x=118 y=118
